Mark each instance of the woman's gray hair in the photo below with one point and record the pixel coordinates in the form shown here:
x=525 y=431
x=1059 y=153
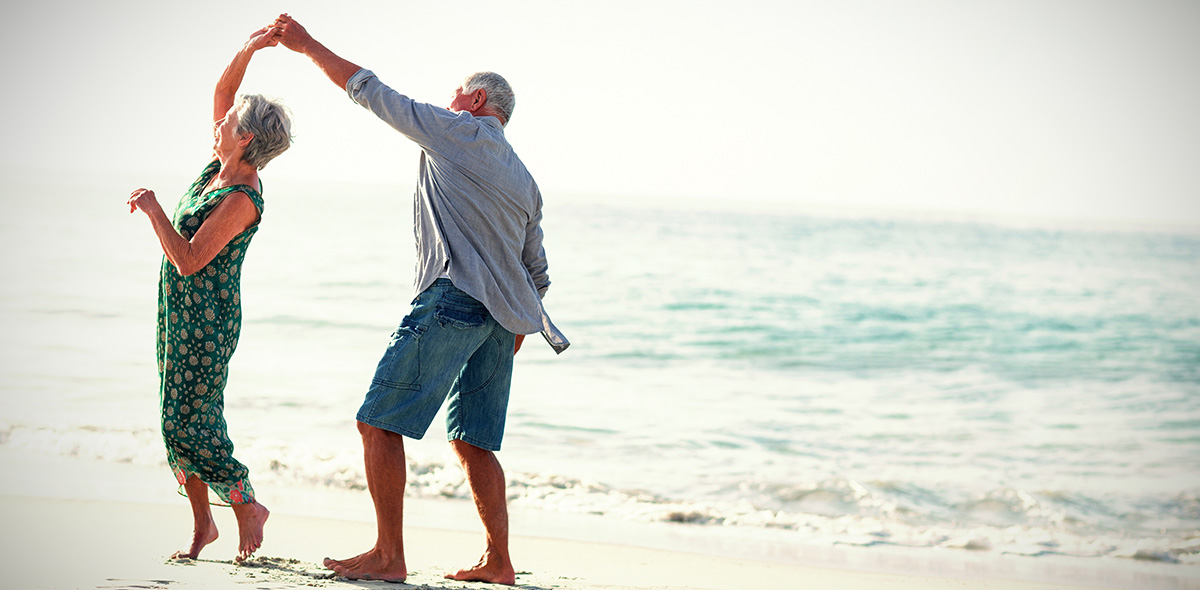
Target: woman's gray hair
x=499 y=94
x=271 y=125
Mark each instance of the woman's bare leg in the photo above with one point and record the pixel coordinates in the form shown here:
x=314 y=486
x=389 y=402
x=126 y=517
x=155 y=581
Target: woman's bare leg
x=204 y=530
x=250 y=517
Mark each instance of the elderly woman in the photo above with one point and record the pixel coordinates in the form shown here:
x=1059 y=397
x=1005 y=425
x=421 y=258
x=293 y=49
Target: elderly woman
x=199 y=304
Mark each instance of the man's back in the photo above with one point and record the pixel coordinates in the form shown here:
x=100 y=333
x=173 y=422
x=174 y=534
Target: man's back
x=477 y=208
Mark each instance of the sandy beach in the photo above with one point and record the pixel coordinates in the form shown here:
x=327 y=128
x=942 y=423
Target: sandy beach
x=55 y=537
x=80 y=544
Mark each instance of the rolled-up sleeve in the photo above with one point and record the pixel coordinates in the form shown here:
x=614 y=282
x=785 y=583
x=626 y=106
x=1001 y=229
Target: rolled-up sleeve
x=355 y=83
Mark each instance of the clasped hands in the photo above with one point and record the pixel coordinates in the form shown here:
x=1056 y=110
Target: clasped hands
x=284 y=30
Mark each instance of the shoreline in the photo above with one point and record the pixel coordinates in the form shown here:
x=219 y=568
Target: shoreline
x=73 y=523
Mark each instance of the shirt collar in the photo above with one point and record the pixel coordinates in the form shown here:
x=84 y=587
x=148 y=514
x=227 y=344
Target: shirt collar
x=493 y=121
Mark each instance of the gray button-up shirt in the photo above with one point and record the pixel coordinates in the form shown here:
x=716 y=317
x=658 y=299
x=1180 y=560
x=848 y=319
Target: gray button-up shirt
x=477 y=211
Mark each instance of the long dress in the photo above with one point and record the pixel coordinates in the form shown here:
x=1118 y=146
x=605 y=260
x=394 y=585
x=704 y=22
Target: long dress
x=199 y=320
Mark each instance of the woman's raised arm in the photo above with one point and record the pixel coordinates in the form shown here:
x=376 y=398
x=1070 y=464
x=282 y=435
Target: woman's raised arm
x=231 y=78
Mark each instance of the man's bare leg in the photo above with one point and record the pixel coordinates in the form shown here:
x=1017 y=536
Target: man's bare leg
x=486 y=477
x=383 y=454
x=204 y=529
x=251 y=518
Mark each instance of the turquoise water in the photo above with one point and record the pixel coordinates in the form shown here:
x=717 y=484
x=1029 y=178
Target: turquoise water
x=852 y=379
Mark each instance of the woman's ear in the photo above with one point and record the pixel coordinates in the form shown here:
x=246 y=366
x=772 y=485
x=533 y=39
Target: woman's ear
x=244 y=140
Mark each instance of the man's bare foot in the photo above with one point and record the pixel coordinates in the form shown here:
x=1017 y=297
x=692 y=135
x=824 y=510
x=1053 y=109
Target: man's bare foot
x=491 y=568
x=250 y=518
x=372 y=565
x=201 y=537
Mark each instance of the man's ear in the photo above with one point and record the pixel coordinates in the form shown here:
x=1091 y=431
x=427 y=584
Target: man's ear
x=478 y=100
x=244 y=140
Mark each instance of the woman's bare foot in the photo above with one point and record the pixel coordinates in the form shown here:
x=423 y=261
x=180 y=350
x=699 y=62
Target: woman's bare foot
x=372 y=565
x=250 y=518
x=202 y=535
x=493 y=568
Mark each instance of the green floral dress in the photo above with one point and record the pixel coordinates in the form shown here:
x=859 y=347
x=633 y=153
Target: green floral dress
x=199 y=319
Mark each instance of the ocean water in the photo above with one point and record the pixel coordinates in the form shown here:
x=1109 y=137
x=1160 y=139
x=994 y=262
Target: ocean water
x=846 y=379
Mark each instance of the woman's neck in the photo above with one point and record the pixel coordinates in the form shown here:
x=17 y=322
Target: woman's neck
x=236 y=171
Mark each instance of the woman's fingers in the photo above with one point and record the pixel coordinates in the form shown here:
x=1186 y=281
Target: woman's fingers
x=136 y=196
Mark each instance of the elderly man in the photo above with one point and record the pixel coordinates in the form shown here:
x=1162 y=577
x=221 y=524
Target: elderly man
x=481 y=273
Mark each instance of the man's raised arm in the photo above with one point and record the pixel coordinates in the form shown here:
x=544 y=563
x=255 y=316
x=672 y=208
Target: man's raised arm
x=295 y=37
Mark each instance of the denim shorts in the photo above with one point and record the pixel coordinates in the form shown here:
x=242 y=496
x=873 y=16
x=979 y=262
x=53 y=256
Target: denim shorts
x=448 y=345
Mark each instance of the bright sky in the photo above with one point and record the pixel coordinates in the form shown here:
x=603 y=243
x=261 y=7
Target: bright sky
x=1085 y=109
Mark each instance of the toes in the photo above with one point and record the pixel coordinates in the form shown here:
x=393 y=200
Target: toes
x=246 y=553
x=350 y=573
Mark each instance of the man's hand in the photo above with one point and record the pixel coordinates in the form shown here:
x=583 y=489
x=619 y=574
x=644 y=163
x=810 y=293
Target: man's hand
x=295 y=37
x=291 y=33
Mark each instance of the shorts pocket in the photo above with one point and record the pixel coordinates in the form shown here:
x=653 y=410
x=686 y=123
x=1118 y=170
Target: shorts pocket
x=400 y=366
x=460 y=311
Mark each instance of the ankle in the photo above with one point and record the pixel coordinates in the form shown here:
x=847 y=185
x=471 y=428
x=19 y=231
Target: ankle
x=247 y=510
x=389 y=554
x=496 y=553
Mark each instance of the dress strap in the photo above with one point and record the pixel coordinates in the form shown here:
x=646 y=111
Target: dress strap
x=206 y=175
x=255 y=196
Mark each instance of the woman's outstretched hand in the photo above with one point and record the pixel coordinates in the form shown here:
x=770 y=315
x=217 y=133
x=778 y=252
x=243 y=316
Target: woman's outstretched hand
x=143 y=199
x=264 y=37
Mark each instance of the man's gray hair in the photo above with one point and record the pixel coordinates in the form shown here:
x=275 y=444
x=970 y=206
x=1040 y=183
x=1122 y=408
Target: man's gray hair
x=271 y=125
x=499 y=94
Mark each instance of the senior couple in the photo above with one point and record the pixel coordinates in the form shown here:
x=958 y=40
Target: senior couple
x=480 y=277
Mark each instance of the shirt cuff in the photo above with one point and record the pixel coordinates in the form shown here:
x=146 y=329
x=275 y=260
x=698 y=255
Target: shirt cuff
x=357 y=81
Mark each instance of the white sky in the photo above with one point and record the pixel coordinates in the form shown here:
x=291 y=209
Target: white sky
x=1064 y=109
